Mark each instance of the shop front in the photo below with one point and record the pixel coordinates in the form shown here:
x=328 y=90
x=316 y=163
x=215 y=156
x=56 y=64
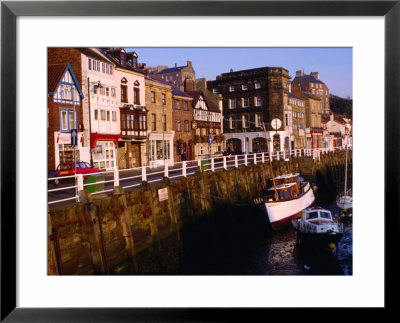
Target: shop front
x=160 y=150
x=65 y=152
x=104 y=151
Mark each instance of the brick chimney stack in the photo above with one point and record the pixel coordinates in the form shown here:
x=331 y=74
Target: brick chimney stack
x=315 y=74
x=189 y=63
x=189 y=85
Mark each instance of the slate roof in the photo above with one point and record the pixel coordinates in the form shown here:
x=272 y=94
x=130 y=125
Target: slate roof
x=92 y=53
x=291 y=95
x=107 y=52
x=305 y=79
x=169 y=70
x=175 y=90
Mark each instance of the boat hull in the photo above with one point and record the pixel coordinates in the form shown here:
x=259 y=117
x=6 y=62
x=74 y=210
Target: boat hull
x=318 y=239
x=282 y=212
x=345 y=202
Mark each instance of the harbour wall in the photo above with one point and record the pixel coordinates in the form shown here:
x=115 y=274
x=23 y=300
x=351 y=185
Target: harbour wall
x=129 y=232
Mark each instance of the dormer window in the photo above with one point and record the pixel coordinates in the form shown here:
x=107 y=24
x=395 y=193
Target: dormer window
x=122 y=58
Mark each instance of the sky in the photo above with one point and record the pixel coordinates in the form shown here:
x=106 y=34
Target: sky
x=334 y=64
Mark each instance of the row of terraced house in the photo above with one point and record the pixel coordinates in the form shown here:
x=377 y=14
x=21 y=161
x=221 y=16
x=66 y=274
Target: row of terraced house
x=126 y=114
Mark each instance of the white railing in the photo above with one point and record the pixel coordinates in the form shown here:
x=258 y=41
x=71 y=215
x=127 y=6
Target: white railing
x=134 y=177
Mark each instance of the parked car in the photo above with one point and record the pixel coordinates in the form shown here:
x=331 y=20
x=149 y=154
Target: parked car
x=67 y=168
x=53 y=174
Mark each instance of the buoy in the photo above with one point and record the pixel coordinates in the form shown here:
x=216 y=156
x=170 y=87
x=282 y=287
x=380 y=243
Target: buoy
x=332 y=245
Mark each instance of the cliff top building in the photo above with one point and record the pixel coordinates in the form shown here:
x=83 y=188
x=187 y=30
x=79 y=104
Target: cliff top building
x=175 y=75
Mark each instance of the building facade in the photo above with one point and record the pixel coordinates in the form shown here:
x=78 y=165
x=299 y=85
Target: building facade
x=297 y=105
x=129 y=88
x=64 y=115
x=160 y=132
x=313 y=85
x=175 y=75
x=251 y=99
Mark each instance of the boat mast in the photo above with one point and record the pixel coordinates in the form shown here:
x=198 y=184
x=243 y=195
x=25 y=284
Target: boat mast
x=270 y=163
x=345 y=176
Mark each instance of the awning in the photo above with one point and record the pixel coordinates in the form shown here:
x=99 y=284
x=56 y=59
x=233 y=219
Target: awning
x=104 y=137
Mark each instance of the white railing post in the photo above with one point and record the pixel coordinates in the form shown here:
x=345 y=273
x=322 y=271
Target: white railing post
x=255 y=159
x=224 y=159
x=245 y=159
x=278 y=155
x=184 y=168
x=144 y=177
x=236 y=161
x=212 y=164
x=262 y=158
x=79 y=186
x=165 y=170
x=116 y=177
x=295 y=153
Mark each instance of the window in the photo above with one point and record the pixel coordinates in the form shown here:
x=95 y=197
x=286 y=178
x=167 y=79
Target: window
x=107 y=91
x=257 y=85
x=231 y=88
x=186 y=125
x=124 y=94
x=114 y=116
x=68 y=121
x=153 y=122
x=102 y=114
x=232 y=103
x=215 y=90
x=136 y=95
x=113 y=92
x=102 y=90
x=178 y=125
x=246 y=121
x=245 y=102
x=108 y=115
x=152 y=97
x=232 y=122
x=185 y=105
x=244 y=87
x=176 y=104
x=164 y=122
x=163 y=98
x=96 y=114
x=143 y=121
x=258 y=101
x=90 y=63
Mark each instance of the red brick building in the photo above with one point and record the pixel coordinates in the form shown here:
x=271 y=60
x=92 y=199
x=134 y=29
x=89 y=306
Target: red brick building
x=64 y=114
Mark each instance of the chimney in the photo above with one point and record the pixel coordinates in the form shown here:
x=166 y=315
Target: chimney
x=315 y=74
x=176 y=65
x=219 y=77
x=290 y=87
x=231 y=70
x=189 y=85
x=300 y=73
x=189 y=63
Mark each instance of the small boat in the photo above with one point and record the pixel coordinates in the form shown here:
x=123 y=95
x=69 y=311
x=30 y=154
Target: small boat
x=286 y=200
x=345 y=201
x=317 y=226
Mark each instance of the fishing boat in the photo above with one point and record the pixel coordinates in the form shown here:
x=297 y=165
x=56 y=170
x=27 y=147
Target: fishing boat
x=287 y=198
x=345 y=201
x=317 y=226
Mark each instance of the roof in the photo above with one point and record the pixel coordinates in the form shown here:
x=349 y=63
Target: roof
x=291 y=95
x=175 y=90
x=169 y=70
x=196 y=96
x=305 y=79
x=92 y=53
x=55 y=73
x=107 y=52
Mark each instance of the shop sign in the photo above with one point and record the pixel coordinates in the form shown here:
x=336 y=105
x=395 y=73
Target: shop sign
x=194 y=125
x=163 y=194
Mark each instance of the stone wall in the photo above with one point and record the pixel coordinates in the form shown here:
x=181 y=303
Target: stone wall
x=116 y=234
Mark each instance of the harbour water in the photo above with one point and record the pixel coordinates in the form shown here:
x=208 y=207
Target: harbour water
x=239 y=241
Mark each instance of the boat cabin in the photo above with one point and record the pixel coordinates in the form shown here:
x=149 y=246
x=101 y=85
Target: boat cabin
x=288 y=179
x=316 y=215
x=284 y=191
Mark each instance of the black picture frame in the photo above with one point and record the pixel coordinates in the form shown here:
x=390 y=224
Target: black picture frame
x=10 y=10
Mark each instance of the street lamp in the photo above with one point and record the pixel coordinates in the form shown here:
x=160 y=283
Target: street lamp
x=90 y=119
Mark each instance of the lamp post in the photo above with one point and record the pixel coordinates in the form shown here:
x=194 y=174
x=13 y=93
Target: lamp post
x=90 y=118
